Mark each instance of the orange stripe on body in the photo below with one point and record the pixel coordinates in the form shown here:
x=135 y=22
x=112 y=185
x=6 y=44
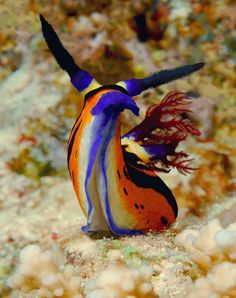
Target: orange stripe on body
x=146 y=205
x=85 y=118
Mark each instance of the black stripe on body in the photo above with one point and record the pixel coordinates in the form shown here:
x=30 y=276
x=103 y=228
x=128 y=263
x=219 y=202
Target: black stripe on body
x=164 y=220
x=125 y=191
x=70 y=145
x=126 y=174
x=118 y=172
x=106 y=87
x=132 y=159
x=141 y=179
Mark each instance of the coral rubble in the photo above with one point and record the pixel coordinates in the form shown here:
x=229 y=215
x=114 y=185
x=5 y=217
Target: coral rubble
x=43 y=274
x=213 y=248
x=40 y=272
x=123 y=282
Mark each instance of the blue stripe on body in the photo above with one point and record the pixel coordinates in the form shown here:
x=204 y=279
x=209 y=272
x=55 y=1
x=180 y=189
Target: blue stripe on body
x=100 y=122
x=159 y=151
x=117 y=101
x=106 y=113
x=114 y=228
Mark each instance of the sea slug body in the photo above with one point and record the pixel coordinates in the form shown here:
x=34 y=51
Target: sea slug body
x=114 y=176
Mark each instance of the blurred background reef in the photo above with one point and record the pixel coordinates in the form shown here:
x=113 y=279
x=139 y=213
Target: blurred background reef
x=114 y=40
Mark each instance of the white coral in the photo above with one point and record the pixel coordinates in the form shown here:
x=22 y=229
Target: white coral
x=226 y=241
x=213 y=248
x=222 y=278
x=39 y=272
x=219 y=282
x=211 y=244
x=120 y=281
x=200 y=289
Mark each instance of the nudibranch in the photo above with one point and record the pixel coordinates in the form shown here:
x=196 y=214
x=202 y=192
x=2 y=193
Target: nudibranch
x=115 y=178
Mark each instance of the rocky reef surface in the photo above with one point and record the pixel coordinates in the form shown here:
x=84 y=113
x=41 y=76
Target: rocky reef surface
x=43 y=253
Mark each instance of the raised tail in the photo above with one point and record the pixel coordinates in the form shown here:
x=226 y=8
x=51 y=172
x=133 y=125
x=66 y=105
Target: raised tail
x=80 y=78
x=136 y=86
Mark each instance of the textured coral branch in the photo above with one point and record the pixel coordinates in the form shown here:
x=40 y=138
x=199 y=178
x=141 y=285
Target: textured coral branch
x=164 y=124
x=181 y=125
x=183 y=166
x=167 y=138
